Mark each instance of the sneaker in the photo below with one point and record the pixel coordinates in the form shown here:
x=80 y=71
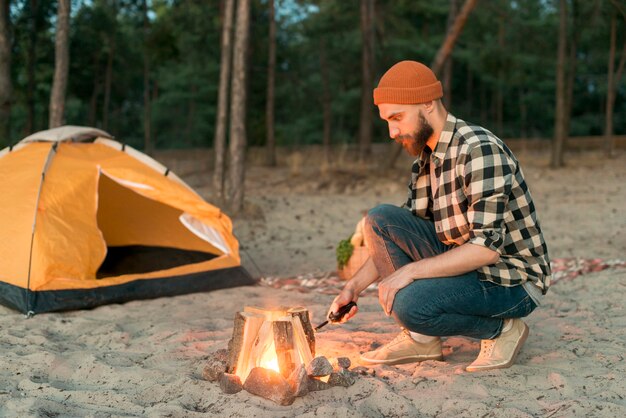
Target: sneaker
x=404 y=349
x=500 y=352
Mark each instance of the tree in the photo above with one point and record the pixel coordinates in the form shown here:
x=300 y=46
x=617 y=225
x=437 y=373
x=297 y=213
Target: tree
x=61 y=66
x=219 y=140
x=453 y=33
x=6 y=86
x=613 y=79
x=271 y=70
x=367 y=79
x=147 y=140
x=238 y=137
x=560 y=134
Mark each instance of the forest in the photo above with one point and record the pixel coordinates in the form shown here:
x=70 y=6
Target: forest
x=148 y=71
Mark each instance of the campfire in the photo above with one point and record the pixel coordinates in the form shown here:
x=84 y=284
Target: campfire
x=272 y=354
x=278 y=340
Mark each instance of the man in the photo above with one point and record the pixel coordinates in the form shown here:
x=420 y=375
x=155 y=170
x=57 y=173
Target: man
x=465 y=254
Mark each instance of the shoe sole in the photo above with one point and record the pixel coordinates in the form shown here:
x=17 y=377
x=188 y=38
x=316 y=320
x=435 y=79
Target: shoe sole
x=509 y=363
x=403 y=360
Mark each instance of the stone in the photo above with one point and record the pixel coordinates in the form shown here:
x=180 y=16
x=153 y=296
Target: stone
x=343 y=378
x=213 y=369
x=319 y=366
x=269 y=385
x=230 y=383
x=221 y=355
x=344 y=362
x=299 y=381
x=363 y=371
x=315 y=384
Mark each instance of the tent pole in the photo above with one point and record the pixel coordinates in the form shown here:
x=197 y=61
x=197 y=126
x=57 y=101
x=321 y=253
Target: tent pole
x=51 y=154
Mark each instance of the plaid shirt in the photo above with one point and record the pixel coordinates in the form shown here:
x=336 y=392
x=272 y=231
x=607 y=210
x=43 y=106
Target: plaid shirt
x=473 y=188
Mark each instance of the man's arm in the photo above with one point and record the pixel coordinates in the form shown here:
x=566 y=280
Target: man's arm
x=366 y=275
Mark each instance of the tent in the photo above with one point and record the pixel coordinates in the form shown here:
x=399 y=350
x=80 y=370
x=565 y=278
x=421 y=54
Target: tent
x=86 y=220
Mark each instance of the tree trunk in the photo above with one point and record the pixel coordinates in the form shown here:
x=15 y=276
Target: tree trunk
x=30 y=67
x=613 y=80
x=238 y=108
x=571 y=67
x=447 y=67
x=6 y=87
x=271 y=70
x=559 y=125
x=61 y=65
x=326 y=102
x=219 y=141
x=147 y=117
x=108 y=80
x=499 y=103
x=367 y=79
x=523 y=114
x=95 y=93
x=453 y=33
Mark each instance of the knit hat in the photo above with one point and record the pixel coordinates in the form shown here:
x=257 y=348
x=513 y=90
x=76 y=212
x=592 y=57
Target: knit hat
x=408 y=82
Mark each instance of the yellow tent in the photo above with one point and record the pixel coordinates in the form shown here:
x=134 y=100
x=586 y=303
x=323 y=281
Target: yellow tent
x=85 y=220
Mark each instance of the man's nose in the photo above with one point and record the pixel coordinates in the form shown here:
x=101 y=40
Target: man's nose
x=394 y=132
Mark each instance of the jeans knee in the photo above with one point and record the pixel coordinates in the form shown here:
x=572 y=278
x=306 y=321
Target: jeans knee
x=379 y=216
x=406 y=309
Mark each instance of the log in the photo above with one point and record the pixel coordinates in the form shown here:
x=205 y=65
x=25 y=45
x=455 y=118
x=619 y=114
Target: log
x=285 y=346
x=234 y=345
x=245 y=330
x=303 y=314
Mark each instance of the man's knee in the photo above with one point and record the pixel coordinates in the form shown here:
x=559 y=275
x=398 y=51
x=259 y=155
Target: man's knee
x=378 y=217
x=409 y=307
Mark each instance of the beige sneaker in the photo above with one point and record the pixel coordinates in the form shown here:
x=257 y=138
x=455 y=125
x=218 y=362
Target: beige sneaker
x=500 y=353
x=404 y=349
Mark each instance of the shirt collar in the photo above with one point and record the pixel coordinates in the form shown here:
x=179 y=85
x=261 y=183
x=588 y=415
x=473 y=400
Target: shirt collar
x=445 y=137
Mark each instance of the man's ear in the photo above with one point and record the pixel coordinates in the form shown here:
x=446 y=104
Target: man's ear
x=429 y=106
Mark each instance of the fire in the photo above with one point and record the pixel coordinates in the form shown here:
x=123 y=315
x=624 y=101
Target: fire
x=269 y=359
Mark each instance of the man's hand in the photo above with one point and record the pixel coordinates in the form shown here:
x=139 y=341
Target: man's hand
x=389 y=286
x=346 y=296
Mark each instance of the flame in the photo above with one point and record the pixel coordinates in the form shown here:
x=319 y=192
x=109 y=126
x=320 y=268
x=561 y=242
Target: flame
x=269 y=359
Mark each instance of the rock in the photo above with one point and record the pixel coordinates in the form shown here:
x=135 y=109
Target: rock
x=363 y=371
x=319 y=366
x=344 y=362
x=213 y=369
x=343 y=378
x=316 y=384
x=299 y=381
x=221 y=354
x=269 y=385
x=230 y=383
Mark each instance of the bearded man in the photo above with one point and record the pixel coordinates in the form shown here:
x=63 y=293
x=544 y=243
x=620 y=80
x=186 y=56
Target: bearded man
x=465 y=254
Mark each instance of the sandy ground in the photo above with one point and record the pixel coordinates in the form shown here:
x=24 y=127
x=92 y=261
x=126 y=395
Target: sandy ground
x=144 y=358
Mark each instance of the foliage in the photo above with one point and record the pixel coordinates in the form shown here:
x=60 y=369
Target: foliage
x=344 y=252
x=503 y=66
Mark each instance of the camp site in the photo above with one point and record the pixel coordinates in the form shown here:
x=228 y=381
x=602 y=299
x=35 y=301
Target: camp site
x=298 y=208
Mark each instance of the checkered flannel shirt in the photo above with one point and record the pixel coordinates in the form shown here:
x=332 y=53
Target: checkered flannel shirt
x=472 y=187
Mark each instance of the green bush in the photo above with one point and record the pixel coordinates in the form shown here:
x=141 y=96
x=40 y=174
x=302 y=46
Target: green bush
x=344 y=252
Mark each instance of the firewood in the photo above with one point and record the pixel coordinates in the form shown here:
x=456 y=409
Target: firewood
x=303 y=314
x=284 y=343
x=244 y=333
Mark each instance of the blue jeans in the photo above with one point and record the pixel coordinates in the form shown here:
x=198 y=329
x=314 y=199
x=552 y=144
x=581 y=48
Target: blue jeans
x=459 y=305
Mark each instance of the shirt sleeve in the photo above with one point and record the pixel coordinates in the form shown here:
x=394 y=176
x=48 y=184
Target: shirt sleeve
x=488 y=178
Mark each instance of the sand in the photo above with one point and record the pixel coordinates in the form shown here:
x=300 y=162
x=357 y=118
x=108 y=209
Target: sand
x=144 y=358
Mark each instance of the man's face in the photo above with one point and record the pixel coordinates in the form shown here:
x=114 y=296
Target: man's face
x=407 y=126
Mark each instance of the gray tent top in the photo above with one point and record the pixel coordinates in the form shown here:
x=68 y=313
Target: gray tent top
x=66 y=133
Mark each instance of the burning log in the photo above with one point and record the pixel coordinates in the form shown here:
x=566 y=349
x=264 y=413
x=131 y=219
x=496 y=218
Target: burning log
x=277 y=339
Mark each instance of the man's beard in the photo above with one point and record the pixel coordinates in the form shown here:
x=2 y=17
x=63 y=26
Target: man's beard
x=414 y=143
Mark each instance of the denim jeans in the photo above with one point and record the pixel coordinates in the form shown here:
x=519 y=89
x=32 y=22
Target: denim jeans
x=445 y=306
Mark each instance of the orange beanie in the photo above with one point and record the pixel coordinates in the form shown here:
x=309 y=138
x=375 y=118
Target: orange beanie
x=408 y=82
